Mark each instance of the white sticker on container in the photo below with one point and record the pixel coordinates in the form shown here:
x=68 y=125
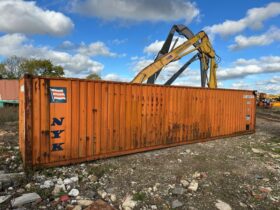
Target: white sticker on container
x=248 y=96
x=22 y=88
x=248 y=117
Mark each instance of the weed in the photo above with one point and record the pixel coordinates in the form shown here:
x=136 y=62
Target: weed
x=276 y=150
x=8 y=114
x=139 y=196
x=99 y=171
x=275 y=139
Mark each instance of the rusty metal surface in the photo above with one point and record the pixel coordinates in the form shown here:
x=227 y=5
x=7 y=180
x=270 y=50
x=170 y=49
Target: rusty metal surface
x=79 y=120
x=8 y=89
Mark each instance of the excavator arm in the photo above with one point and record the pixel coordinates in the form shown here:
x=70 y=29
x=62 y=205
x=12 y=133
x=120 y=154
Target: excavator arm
x=201 y=43
x=181 y=30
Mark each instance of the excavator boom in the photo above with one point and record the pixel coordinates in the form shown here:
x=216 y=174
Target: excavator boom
x=200 y=42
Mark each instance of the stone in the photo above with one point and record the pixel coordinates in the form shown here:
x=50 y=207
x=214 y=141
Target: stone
x=28 y=186
x=203 y=175
x=153 y=207
x=266 y=179
x=99 y=205
x=84 y=202
x=47 y=184
x=275 y=156
x=196 y=175
x=77 y=207
x=59 y=181
x=257 y=151
x=178 y=191
x=69 y=207
x=129 y=203
x=184 y=183
x=265 y=189
x=74 y=193
x=58 y=188
x=64 y=198
x=4 y=198
x=24 y=199
x=20 y=190
x=222 y=205
x=92 y=178
x=75 y=179
x=113 y=197
x=176 y=204
x=193 y=186
x=242 y=204
x=102 y=193
x=11 y=179
x=67 y=181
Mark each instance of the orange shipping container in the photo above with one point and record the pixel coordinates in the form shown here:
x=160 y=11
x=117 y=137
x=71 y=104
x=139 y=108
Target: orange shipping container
x=8 y=89
x=65 y=121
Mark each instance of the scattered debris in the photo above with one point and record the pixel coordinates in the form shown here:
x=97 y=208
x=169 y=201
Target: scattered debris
x=155 y=180
x=176 y=204
x=24 y=199
x=258 y=151
x=74 y=193
x=128 y=203
x=193 y=186
x=222 y=205
x=184 y=183
x=4 y=198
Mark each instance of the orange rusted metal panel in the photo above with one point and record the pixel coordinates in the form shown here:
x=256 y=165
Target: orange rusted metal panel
x=64 y=121
x=9 y=89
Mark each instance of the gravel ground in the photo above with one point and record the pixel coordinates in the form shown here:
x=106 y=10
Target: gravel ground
x=234 y=173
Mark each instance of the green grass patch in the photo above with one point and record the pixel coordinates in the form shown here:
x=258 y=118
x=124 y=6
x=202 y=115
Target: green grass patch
x=8 y=114
x=276 y=150
x=139 y=196
x=99 y=171
x=275 y=139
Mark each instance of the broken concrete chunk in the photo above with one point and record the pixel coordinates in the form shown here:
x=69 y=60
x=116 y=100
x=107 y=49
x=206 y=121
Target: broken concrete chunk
x=129 y=203
x=193 y=186
x=176 y=204
x=24 y=199
x=222 y=205
x=4 y=198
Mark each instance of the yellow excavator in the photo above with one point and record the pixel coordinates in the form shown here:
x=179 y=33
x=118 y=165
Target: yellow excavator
x=199 y=42
x=268 y=100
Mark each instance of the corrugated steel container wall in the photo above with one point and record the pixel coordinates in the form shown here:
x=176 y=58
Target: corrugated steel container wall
x=8 y=89
x=70 y=120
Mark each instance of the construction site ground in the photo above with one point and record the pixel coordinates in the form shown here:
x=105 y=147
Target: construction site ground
x=240 y=172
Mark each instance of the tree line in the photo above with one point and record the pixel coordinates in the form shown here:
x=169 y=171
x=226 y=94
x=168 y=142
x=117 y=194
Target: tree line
x=15 y=67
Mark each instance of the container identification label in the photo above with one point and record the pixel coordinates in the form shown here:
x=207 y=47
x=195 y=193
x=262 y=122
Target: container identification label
x=58 y=95
x=248 y=96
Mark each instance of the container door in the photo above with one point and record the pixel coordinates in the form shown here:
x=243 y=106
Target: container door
x=60 y=120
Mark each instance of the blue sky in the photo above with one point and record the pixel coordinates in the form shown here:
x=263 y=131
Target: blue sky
x=117 y=38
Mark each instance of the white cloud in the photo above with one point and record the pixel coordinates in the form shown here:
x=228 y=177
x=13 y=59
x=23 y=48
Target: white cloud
x=137 y=10
x=156 y=46
x=254 y=19
x=75 y=65
x=242 y=67
x=94 y=49
x=272 y=35
x=241 y=85
x=115 y=77
x=18 y=16
x=267 y=86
